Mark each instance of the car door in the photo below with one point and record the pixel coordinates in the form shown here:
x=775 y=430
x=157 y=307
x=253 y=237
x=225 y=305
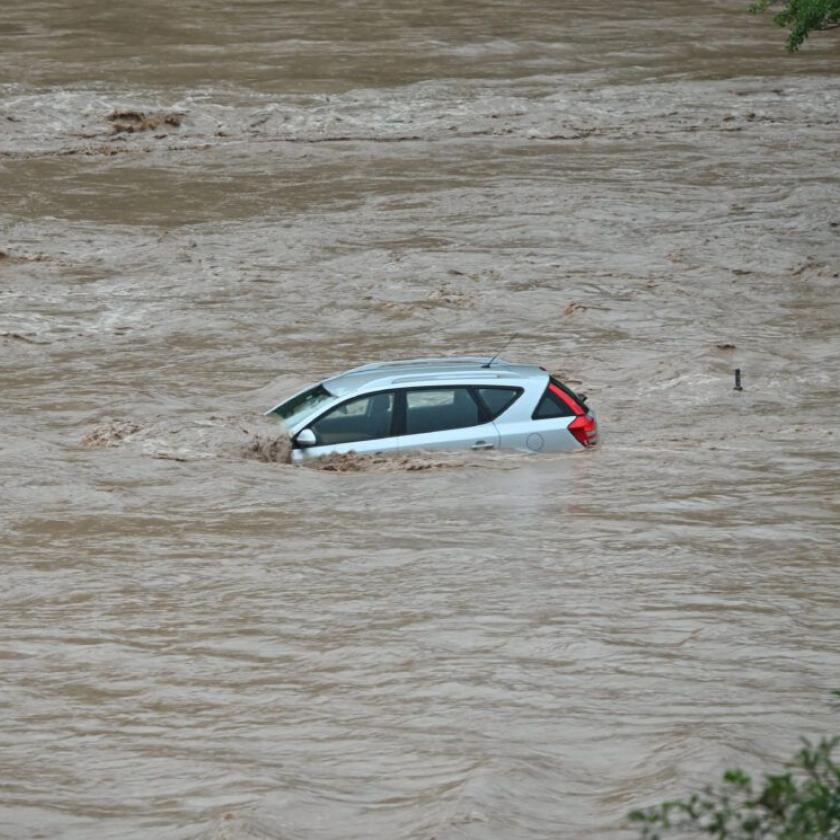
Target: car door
x=444 y=417
x=362 y=424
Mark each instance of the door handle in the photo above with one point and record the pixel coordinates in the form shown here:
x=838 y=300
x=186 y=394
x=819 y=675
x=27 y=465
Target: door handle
x=482 y=444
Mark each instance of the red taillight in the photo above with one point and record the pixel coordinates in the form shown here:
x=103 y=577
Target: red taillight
x=585 y=429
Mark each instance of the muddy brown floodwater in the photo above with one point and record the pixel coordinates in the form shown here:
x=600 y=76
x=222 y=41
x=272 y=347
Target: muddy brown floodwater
x=208 y=204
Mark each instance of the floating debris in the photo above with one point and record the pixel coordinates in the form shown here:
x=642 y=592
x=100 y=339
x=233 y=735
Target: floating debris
x=15 y=259
x=109 y=433
x=130 y=122
x=574 y=307
x=21 y=337
x=355 y=462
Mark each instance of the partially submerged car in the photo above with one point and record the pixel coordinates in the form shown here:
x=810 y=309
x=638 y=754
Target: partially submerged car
x=461 y=402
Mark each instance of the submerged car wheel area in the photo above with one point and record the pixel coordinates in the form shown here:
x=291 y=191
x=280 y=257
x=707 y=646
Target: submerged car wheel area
x=450 y=403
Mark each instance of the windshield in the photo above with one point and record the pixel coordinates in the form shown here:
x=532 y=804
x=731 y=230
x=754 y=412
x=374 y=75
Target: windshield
x=302 y=405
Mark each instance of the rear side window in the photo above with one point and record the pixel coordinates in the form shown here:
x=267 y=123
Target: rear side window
x=551 y=406
x=363 y=418
x=556 y=401
x=578 y=399
x=437 y=409
x=498 y=399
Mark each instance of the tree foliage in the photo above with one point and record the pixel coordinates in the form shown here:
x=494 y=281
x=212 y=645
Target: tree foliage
x=800 y=804
x=802 y=17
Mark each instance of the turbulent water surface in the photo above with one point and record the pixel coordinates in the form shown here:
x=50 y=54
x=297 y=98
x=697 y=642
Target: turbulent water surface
x=208 y=204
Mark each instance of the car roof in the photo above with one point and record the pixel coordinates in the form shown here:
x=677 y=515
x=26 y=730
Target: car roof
x=419 y=372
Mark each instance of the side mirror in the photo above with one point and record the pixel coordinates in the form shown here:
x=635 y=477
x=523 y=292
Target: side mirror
x=306 y=438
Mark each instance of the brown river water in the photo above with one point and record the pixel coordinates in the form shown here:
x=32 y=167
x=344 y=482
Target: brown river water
x=205 y=205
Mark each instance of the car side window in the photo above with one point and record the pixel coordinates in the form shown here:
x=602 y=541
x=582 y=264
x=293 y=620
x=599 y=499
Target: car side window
x=363 y=418
x=551 y=406
x=437 y=409
x=498 y=399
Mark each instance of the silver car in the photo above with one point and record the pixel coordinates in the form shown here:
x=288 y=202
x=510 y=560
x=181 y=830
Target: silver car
x=459 y=402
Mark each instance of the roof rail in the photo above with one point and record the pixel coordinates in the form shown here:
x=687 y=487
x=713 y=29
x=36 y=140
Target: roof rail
x=437 y=360
x=471 y=375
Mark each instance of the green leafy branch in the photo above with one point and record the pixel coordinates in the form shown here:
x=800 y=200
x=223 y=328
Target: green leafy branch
x=802 y=803
x=802 y=17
